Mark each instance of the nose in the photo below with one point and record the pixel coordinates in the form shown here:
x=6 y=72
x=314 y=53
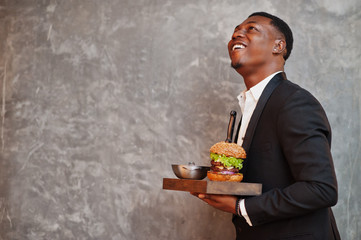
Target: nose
x=238 y=34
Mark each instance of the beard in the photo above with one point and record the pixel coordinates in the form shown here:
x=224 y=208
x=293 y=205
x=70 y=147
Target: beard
x=236 y=65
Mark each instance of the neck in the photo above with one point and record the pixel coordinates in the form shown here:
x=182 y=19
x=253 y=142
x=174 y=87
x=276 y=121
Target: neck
x=252 y=78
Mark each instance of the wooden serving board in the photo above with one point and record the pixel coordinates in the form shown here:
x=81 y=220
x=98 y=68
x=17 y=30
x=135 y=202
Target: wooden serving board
x=213 y=187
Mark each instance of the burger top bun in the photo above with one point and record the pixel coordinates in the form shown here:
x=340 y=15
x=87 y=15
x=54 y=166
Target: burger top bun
x=229 y=149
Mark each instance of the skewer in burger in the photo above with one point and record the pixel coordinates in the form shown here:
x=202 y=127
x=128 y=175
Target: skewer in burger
x=227 y=160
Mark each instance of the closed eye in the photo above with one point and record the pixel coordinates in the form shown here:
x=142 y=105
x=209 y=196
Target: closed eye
x=251 y=28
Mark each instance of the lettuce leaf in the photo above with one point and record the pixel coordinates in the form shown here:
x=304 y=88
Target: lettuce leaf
x=228 y=161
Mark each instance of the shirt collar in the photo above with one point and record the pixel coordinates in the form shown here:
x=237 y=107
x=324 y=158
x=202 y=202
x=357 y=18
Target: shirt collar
x=256 y=90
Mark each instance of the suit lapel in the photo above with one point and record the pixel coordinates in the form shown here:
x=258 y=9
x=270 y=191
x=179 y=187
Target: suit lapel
x=276 y=80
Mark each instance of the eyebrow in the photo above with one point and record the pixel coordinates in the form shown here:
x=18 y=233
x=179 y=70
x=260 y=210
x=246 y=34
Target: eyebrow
x=245 y=24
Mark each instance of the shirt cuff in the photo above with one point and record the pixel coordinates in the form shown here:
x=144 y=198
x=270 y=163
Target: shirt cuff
x=242 y=206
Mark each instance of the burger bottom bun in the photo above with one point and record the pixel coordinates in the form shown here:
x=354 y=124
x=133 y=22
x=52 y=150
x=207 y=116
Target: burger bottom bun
x=214 y=176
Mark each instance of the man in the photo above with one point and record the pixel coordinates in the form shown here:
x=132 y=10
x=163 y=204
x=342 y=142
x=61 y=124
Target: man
x=287 y=137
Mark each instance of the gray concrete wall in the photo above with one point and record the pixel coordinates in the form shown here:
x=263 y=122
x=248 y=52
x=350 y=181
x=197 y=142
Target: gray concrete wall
x=99 y=98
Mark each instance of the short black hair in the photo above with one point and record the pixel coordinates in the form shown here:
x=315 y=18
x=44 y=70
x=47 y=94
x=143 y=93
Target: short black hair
x=281 y=26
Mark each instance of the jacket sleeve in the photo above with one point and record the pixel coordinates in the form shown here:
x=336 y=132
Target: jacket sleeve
x=304 y=136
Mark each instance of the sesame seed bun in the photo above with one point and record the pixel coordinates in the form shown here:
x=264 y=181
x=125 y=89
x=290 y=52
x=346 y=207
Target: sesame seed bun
x=229 y=149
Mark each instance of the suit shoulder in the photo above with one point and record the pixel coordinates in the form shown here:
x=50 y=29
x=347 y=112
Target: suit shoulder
x=287 y=89
x=290 y=85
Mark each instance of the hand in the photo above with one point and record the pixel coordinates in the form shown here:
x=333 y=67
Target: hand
x=225 y=203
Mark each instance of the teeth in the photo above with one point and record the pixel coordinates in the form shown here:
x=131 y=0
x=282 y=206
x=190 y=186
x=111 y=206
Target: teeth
x=238 y=46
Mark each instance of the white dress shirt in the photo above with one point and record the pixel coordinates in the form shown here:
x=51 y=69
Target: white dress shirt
x=248 y=100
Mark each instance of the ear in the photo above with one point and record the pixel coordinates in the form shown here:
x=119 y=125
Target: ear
x=279 y=46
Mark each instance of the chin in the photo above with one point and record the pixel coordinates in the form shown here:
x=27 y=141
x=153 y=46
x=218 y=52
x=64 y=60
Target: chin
x=236 y=65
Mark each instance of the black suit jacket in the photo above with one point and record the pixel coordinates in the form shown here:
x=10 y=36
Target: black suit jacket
x=288 y=142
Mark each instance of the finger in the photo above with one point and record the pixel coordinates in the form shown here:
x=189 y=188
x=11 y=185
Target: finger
x=200 y=195
x=203 y=196
x=194 y=194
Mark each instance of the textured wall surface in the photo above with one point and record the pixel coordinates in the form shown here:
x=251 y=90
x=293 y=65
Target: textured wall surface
x=99 y=98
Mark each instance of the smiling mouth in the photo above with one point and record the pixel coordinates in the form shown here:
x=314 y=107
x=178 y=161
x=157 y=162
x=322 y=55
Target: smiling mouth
x=238 y=46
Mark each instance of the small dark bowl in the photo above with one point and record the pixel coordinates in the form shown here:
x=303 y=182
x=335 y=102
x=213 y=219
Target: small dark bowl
x=190 y=171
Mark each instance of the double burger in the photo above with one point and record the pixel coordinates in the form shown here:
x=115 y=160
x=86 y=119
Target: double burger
x=227 y=160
